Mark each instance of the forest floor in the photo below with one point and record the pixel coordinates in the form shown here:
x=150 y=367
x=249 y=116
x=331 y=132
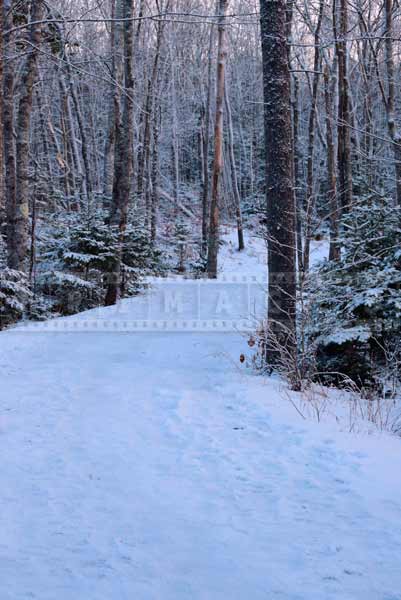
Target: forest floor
x=152 y=465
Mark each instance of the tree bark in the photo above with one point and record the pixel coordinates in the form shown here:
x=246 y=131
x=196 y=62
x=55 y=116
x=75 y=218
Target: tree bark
x=155 y=180
x=123 y=162
x=233 y=170
x=205 y=149
x=334 y=252
x=280 y=209
x=310 y=199
x=297 y=177
x=213 y=241
x=20 y=237
x=343 y=132
x=390 y=104
x=2 y=199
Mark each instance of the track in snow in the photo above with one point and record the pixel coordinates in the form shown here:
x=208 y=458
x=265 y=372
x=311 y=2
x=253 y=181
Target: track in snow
x=148 y=467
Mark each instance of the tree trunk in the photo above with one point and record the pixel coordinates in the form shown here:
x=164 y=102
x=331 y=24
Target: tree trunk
x=123 y=162
x=2 y=199
x=213 y=241
x=334 y=252
x=390 y=104
x=111 y=129
x=9 y=149
x=20 y=241
x=297 y=177
x=205 y=149
x=343 y=132
x=144 y=166
x=310 y=199
x=280 y=210
x=155 y=180
x=233 y=170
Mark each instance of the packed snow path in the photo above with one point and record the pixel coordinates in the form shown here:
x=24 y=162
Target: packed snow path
x=148 y=466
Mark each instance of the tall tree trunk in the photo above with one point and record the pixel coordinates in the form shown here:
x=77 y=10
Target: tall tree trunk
x=2 y=20
x=123 y=162
x=233 y=170
x=144 y=166
x=155 y=179
x=9 y=147
x=20 y=241
x=390 y=103
x=280 y=210
x=310 y=198
x=340 y=26
x=334 y=252
x=82 y=130
x=213 y=241
x=297 y=177
x=206 y=143
x=109 y=147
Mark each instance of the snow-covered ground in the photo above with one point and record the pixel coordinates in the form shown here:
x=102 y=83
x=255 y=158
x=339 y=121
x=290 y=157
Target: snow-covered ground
x=153 y=466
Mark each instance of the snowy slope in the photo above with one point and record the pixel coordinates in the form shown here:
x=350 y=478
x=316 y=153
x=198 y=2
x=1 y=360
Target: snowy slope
x=149 y=466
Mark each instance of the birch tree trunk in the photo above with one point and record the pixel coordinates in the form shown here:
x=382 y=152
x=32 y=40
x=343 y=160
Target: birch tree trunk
x=213 y=241
x=280 y=209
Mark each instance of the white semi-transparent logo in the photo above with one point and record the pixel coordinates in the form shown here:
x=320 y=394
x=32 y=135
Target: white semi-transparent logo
x=232 y=303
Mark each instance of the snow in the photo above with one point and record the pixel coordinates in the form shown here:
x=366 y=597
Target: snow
x=154 y=466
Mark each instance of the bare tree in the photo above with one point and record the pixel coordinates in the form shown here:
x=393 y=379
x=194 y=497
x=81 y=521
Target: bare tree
x=206 y=118
x=233 y=170
x=213 y=243
x=390 y=100
x=280 y=209
x=19 y=240
x=340 y=28
x=310 y=197
x=2 y=17
x=123 y=163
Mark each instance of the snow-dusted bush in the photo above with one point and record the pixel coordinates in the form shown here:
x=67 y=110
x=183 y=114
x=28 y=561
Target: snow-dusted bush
x=14 y=296
x=356 y=302
x=77 y=255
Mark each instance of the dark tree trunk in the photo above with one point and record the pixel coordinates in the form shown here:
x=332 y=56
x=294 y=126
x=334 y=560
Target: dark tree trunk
x=340 y=23
x=390 y=103
x=2 y=200
x=20 y=237
x=280 y=209
x=9 y=149
x=123 y=161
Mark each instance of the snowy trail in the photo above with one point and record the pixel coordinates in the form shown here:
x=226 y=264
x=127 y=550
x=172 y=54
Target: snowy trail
x=148 y=467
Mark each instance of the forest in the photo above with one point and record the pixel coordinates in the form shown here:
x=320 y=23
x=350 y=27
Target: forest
x=132 y=131
x=209 y=187
x=122 y=148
